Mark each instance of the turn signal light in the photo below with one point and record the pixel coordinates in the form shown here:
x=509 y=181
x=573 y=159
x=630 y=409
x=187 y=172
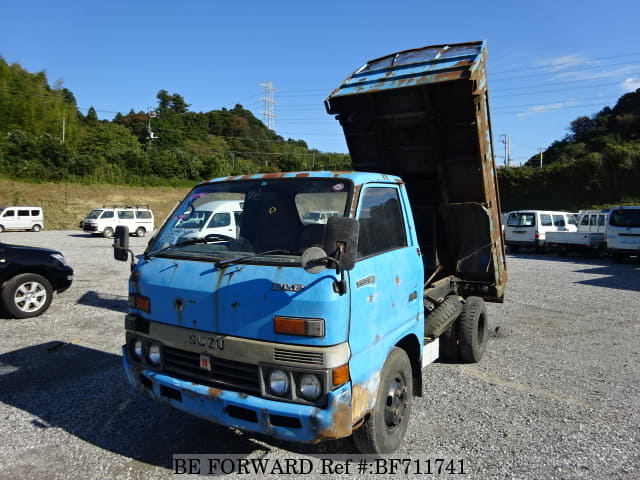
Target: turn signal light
x=304 y=327
x=140 y=302
x=340 y=375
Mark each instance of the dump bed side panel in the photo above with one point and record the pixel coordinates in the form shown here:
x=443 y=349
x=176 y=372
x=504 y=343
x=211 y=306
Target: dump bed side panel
x=423 y=115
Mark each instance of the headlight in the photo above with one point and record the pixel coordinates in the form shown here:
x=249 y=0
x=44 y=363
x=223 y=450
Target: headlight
x=279 y=382
x=137 y=348
x=153 y=354
x=310 y=387
x=59 y=257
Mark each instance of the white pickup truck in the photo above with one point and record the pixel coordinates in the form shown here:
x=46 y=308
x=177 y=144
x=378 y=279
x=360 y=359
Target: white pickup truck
x=590 y=236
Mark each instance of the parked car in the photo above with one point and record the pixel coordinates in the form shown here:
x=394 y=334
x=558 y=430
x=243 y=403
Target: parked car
x=221 y=217
x=103 y=221
x=21 y=218
x=321 y=217
x=623 y=231
x=29 y=276
x=528 y=228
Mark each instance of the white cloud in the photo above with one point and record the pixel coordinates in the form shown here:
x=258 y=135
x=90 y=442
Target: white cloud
x=631 y=84
x=548 y=107
x=562 y=63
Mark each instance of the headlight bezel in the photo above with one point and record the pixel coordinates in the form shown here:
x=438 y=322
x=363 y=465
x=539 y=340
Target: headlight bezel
x=295 y=375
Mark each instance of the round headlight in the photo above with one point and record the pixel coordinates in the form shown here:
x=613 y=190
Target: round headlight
x=279 y=382
x=154 y=354
x=310 y=387
x=137 y=348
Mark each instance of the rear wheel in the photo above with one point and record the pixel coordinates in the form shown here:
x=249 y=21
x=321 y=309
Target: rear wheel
x=36 y=228
x=385 y=427
x=26 y=295
x=140 y=232
x=473 y=330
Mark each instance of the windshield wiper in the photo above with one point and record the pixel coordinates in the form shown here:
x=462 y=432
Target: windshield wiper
x=224 y=263
x=211 y=238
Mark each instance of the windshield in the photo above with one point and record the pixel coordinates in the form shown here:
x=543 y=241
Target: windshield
x=521 y=220
x=626 y=218
x=94 y=214
x=250 y=217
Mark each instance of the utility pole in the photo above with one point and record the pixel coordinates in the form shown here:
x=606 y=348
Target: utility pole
x=507 y=149
x=541 y=150
x=64 y=126
x=269 y=114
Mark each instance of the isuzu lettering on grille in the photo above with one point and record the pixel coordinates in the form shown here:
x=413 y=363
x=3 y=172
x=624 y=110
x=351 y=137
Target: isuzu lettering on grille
x=212 y=343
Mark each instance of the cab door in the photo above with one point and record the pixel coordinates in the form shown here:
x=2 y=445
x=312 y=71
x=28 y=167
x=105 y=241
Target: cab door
x=386 y=281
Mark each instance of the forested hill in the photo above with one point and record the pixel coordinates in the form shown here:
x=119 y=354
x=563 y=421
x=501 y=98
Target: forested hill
x=596 y=164
x=45 y=136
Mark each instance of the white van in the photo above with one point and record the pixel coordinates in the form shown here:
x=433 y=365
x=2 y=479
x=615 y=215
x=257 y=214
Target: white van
x=623 y=231
x=528 y=228
x=21 y=218
x=103 y=221
x=220 y=217
x=320 y=217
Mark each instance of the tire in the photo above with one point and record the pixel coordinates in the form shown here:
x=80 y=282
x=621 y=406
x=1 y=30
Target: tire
x=473 y=330
x=140 y=232
x=384 y=429
x=107 y=232
x=514 y=248
x=26 y=295
x=1 y=228
x=443 y=316
x=36 y=228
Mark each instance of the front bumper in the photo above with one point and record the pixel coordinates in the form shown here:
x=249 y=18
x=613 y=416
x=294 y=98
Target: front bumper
x=282 y=420
x=62 y=279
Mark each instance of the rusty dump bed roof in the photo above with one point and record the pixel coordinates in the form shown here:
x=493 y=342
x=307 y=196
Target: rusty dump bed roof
x=419 y=66
x=423 y=115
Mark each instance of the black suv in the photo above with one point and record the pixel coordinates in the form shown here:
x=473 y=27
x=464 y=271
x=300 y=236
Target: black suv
x=28 y=278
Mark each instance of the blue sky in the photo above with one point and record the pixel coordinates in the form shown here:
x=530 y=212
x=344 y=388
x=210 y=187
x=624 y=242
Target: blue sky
x=549 y=61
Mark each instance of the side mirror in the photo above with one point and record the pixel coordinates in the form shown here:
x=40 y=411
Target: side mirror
x=121 y=244
x=341 y=240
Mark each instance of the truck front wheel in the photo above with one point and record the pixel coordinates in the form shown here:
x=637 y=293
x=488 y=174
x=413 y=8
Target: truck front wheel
x=473 y=330
x=385 y=427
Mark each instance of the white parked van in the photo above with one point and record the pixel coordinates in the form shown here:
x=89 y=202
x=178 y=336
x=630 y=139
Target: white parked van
x=220 y=217
x=623 y=231
x=528 y=228
x=103 y=221
x=21 y=218
x=320 y=217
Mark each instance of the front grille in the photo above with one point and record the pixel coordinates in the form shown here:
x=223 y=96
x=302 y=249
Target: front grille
x=133 y=322
x=227 y=374
x=295 y=356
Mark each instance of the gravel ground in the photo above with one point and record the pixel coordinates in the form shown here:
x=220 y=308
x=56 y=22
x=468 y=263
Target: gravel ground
x=557 y=394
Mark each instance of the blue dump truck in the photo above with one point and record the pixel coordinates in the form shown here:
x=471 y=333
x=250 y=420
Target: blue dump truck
x=316 y=330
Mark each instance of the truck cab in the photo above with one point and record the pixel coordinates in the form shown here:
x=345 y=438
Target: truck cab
x=310 y=331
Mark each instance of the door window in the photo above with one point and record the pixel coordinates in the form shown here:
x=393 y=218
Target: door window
x=125 y=215
x=220 y=220
x=107 y=214
x=558 y=221
x=381 y=222
x=545 y=220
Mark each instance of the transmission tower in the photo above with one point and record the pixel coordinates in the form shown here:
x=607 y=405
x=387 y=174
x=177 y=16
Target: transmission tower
x=269 y=105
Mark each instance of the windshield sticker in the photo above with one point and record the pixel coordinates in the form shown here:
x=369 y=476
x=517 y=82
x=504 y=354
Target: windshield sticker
x=338 y=187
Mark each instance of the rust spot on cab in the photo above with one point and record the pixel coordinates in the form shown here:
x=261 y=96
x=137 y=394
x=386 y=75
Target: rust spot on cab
x=214 y=392
x=362 y=403
x=340 y=427
x=397 y=281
